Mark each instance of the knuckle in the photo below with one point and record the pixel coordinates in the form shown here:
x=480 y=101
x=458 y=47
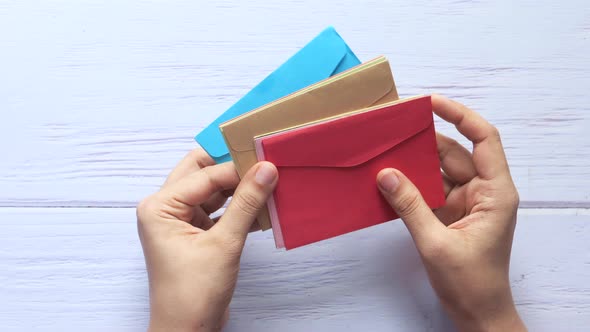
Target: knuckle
x=449 y=145
x=408 y=204
x=454 y=144
x=247 y=202
x=201 y=158
x=494 y=132
x=147 y=211
x=515 y=198
x=145 y=206
x=501 y=196
x=195 y=153
x=210 y=179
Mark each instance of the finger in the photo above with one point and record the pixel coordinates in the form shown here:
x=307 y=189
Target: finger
x=448 y=184
x=207 y=224
x=199 y=186
x=455 y=160
x=201 y=219
x=249 y=198
x=255 y=227
x=488 y=154
x=408 y=203
x=193 y=161
x=215 y=203
x=454 y=209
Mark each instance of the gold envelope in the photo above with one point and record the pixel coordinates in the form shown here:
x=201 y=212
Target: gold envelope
x=365 y=85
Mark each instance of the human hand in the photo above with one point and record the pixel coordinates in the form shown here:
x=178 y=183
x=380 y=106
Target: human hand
x=465 y=245
x=193 y=261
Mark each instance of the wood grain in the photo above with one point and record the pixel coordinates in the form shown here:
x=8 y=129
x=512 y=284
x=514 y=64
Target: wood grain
x=83 y=269
x=99 y=100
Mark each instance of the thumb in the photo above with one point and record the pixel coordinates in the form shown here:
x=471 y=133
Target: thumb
x=408 y=203
x=249 y=198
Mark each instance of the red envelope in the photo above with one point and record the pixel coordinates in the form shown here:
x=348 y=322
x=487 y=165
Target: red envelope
x=327 y=170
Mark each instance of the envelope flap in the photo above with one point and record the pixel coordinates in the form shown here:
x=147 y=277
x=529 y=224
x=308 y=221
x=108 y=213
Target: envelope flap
x=340 y=95
x=350 y=140
x=316 y=61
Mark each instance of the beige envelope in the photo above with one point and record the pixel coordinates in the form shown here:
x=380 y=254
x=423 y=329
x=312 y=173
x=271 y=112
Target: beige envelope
x=365 y=85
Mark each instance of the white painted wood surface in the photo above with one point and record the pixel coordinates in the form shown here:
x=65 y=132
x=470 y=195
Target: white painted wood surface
x=82 y=269
x=110 y=95
x=99 y=100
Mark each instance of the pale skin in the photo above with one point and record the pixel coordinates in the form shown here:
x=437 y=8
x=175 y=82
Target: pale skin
x=193 y=261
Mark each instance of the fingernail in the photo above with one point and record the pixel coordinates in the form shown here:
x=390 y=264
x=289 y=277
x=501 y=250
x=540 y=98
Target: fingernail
x=389 y=181
x=265 y=174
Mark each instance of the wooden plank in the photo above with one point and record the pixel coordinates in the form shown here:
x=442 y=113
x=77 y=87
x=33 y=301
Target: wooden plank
x=82 y=269
x=99 y=102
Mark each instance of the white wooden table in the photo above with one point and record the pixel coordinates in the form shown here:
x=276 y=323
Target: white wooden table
x=99 y=101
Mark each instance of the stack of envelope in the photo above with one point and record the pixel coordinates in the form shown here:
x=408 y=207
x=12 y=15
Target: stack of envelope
x=329 y=124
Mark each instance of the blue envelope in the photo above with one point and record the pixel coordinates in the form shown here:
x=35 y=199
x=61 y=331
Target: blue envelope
x=326 y=55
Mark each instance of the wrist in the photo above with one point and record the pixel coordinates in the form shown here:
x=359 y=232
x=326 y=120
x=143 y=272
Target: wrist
x=502 y=317
x=156 y=326
x=175 y=319
x=172 y=326
x=171 y=312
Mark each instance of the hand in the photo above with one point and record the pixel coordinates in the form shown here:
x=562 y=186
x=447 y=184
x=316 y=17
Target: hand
x=465 y=245
x=193 y=261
